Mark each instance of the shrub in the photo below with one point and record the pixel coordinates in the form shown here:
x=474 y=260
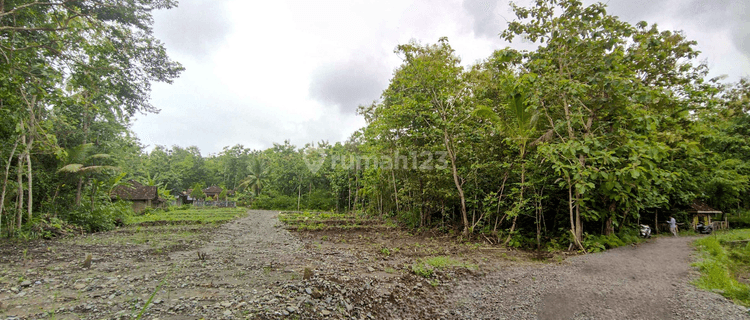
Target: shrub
x=102 y=217
x=739 y=219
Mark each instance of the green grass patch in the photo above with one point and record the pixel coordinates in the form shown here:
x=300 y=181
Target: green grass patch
x=725 y=265
x=190 y=216
x=318 y=221
x=426 y=267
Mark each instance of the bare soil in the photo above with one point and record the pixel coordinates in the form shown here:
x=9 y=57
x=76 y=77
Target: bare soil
x=252 y=268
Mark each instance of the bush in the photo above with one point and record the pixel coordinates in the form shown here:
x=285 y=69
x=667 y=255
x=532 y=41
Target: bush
x=739 y=219
x=598 y=243
x=274 y=202
x=103 y=217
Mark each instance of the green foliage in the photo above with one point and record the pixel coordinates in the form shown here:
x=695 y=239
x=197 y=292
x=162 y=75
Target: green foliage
x=603 y=123
x=722 y=262
x=103 y=216
x=426 y=267
x=739 y=219
x=598 y=243
x=190 y=215
x=422 y=270
x=197 y=192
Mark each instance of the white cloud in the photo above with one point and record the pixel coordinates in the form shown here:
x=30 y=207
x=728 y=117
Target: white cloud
x=263 y=72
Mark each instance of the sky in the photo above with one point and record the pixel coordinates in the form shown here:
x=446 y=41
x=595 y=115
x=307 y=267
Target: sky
x=262 y=72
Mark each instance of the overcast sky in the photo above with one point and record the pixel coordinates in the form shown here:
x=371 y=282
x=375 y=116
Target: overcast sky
x=259 y=72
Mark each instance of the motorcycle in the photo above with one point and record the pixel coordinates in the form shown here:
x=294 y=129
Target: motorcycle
x=704 y=229
x=645 y=231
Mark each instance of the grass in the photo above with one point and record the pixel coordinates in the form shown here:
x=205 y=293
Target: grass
x=725 y=266
x=319 y=221
x=426 y=267
x=193 y=215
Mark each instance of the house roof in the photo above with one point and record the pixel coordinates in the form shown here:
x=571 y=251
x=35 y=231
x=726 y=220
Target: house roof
x=702 y=207
x=136 y=191
x=212 y=190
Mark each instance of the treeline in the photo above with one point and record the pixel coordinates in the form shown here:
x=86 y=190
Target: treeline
x=603 y=125
x=72 y=75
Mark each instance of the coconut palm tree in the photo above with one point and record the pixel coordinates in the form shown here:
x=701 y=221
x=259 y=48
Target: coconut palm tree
x=257 y=177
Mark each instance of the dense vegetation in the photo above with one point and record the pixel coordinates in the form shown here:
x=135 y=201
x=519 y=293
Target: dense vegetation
x=604 y=125
x=72 y=75
x=725 y=265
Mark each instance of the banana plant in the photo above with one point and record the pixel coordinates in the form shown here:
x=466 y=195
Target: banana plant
x=79 y=161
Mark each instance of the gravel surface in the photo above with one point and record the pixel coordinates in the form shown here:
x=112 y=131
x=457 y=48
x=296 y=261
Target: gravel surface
x=649 y=281
x=252 y=268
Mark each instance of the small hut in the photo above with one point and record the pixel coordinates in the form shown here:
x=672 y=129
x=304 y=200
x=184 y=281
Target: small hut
x=140 y=196
x=701 y=212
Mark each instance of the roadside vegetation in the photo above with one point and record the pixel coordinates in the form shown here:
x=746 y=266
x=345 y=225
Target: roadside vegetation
x=186 y=215
x=725 y=264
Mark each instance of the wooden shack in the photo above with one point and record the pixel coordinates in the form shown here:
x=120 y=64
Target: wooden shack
x=701 y=212
x=140 y=196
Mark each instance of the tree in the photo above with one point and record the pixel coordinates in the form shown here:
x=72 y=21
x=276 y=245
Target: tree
x=519 y=126
x=197 y=192
x=78 y=65
x=258 y=176
x=80 y=162
x=426 y=105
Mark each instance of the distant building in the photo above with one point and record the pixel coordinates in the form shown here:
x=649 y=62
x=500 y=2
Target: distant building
x=141 y=196
x=212 y=193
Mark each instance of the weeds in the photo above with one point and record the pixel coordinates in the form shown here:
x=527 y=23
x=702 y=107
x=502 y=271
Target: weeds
x=426 y=268
x=725 y=258
x=421 y=270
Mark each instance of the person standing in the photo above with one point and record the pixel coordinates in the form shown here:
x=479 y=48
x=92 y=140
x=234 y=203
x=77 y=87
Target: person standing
x=672 y=225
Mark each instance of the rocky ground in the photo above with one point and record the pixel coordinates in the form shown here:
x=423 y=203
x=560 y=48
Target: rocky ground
x=252 y=268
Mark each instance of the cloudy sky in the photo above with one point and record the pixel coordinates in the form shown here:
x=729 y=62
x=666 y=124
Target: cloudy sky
x=260 y=72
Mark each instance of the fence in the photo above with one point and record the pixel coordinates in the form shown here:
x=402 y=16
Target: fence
x=218 y=204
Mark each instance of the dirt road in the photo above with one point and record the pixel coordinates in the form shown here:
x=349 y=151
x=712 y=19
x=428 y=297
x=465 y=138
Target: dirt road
x=649 y=281
x=252 y=268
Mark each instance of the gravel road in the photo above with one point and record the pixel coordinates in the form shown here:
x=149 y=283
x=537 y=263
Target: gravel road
x=252 y=268
x=649 y=281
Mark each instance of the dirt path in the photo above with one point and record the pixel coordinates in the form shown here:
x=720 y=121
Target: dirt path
x=252 y=268
x=650 y=281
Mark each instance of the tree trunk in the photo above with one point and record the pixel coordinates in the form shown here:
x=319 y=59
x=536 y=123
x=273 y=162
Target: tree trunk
x=5 y=183
x=29 y=177
x=608 y=227
x=19 y=201
x=579 y=226
x=395 y=189
x=349 y=181
x=459 y=187
x=575 y=219
x=523 y=181
x=499 y=199
x=79 y=187
x=512 y=228
x=356 y=188
x=29 y=147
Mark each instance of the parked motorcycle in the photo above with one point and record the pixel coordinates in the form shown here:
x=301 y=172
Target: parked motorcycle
x=645 y=231
x=704 y=229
